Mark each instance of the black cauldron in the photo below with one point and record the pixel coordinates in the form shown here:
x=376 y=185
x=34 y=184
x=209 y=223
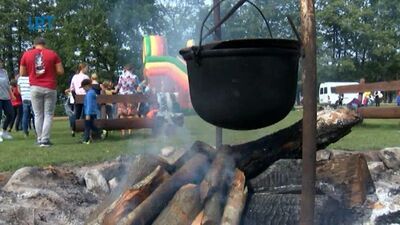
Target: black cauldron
x=243 y=84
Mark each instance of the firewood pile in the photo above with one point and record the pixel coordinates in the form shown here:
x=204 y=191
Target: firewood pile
x=237 y=184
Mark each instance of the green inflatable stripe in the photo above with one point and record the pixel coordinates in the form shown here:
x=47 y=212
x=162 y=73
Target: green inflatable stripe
x=169 y=59
x=147 y=42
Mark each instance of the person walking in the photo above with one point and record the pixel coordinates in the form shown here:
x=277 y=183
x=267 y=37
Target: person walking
x=5 y=103
x=90 y=110
x=17 y=107
x=42 y=65
x=27 y=112
x=75 y=89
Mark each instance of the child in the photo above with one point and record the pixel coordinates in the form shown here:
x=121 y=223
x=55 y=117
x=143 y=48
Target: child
x=90 y=111
x=17 y=106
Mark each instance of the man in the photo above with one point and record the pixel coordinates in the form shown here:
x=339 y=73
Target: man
x=42 y=65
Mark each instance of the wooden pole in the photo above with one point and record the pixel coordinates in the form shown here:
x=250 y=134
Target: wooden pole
x=309 y=74
x=217 y=37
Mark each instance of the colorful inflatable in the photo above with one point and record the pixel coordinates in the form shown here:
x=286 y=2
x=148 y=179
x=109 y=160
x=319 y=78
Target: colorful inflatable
x=163 y=72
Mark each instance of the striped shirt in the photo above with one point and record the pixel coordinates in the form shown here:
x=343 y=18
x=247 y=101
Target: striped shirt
x=24 y=87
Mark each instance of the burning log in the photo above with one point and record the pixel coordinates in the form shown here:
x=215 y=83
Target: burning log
x=192 y=172
x=183 y=208
x=256 y=156
x=213 y=189
x=134 y=196
x=197 y=147
x=236 y=200
x=213 y=209
x=131 y=198
x=218 y=176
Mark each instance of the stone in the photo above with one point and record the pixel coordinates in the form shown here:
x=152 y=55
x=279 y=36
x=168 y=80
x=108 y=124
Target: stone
x=338 y=153
x=323 y=155
x=167 y=151
x=109 y=169
x=371 y=156
x=113 y=183
x=45 y=196
x=95 y=182
x=390 y=157
x=376 y=168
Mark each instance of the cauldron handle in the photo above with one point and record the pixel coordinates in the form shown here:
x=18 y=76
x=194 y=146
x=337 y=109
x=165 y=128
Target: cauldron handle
x=226 y=17
x=294 y=28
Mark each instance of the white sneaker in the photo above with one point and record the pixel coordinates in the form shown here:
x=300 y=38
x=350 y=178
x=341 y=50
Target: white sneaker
x=6 y=135
x=1 y=139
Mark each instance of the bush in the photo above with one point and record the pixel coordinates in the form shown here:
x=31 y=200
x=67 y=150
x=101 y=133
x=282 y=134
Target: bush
x=59 y=111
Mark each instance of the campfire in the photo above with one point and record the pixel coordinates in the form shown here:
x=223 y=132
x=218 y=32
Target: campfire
x=258 y=182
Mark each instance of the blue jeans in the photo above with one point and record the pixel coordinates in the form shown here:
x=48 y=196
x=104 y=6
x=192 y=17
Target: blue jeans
x=6 y=107
x=27 y=115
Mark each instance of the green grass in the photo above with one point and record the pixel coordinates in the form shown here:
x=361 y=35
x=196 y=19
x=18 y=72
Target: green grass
x=19 y=152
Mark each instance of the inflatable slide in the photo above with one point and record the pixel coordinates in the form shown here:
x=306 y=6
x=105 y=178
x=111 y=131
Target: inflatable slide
x=163 y=72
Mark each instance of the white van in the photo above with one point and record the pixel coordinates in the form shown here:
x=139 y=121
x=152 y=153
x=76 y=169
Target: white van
x=328 y=96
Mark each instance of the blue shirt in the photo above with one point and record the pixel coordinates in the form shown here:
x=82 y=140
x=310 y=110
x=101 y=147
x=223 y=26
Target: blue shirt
x=398 y=100
x=90 y=104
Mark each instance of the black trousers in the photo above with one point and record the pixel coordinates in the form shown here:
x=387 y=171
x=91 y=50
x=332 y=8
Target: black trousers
x=78 y=111
x=17 y=118
x=6 y=107
x=90 y=127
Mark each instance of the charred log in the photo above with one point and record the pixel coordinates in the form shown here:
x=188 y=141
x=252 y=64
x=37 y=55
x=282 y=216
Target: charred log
x=256 y=156
x=272 y=209
x=345 y=179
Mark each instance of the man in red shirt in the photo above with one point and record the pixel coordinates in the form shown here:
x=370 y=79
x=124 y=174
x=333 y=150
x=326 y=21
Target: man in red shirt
x=42 y=65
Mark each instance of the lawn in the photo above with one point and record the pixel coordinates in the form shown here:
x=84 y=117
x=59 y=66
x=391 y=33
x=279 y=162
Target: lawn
x=19 y=152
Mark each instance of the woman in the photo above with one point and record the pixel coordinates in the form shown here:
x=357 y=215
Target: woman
x=75 y=89
x=5 y=102
x=17 y=107
x=127 y=84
